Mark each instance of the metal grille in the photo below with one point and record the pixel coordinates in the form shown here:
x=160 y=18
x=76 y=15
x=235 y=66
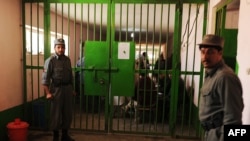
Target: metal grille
x=165 y=95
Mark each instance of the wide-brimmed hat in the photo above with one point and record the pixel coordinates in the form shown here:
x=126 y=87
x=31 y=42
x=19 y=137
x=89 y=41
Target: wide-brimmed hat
x=59 y=41
x=211 y=40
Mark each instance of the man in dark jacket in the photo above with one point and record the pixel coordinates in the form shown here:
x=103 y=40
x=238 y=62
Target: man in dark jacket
x=57 y=80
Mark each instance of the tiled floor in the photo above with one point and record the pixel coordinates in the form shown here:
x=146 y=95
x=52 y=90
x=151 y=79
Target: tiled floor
x=34 y=135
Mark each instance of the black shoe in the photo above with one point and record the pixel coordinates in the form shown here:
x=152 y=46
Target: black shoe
x=67 y=138
x=55 y=138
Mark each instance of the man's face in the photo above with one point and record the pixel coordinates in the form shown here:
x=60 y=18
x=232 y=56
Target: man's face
x=210 y=57
x=59 y=49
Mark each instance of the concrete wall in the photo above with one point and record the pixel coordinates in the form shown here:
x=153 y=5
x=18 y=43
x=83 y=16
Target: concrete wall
x=238 y=19
x=11 y=54
x=243 y=55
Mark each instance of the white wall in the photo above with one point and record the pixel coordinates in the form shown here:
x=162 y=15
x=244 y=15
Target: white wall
x=190 y=55
x=243 y=46
x=243 y=55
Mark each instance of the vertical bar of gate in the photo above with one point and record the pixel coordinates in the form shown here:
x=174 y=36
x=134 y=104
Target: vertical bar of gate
x=187 y=31
x=47 y=42
x=139 y=55
x=133 y=32
x=199 y=130
x=74 y=111
x=87 y=96
x=164 y=116
x=192 y=86
x=56 y=20
x=146 y=70
x=175 y=68
x=120 y=37
x=152 y=114
x=158 y=54
x=81 y=69
x=31 y=45
x=38 y=49
x=110 y=36
x=24 y=61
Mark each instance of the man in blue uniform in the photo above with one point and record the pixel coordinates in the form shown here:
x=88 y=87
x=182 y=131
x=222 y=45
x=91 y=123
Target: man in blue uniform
x=221 y=100
x=57 y=80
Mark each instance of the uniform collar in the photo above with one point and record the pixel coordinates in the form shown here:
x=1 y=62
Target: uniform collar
x=210 y=71
x=58 y=57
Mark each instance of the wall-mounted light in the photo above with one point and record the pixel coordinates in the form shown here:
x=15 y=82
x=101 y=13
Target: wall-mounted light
x=132 y=35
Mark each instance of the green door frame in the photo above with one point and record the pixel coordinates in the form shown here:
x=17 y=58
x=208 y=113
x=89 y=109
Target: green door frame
x=230 y=36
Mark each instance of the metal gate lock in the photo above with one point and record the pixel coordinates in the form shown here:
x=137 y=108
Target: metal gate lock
x=101 y=81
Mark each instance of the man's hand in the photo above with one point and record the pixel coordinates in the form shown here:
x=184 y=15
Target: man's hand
x=74 y=93
x=49 y=96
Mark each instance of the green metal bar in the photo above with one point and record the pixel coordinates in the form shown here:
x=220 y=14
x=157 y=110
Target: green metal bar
x=101 y=24
x=88 y=23
x=175 y=67
x=31 y=44
x=193 y=68
x=38 y=54
x=109 y=39
x=127 y=23
x=75 y=44
x=63 y=22
x=152 y=91
x=87 y=97
x=69 y=26
x=198 y=127
x=120 y=23
x=223 y=23
x=81 y=71
x=94 y=22
x=47 y=46
x=133 y=39
x=74 y=112
x=56 y=20
x=24 y=64
x=186 y=62
x=120 y=37
x=46 y=29
x=111 y=12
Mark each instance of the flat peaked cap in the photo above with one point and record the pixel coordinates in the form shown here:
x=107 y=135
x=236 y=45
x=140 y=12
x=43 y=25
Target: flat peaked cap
x=59 y=42
x=211 y=40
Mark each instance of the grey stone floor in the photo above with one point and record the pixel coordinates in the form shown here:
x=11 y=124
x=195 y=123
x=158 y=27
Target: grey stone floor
x=34 y=135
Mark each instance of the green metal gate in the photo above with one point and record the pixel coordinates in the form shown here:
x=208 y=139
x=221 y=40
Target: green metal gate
x=120 y=41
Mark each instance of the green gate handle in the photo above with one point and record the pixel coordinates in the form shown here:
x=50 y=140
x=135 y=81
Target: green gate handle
x=114 y=69
x=95 y=75
x=101 y=81
x=92 y=68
